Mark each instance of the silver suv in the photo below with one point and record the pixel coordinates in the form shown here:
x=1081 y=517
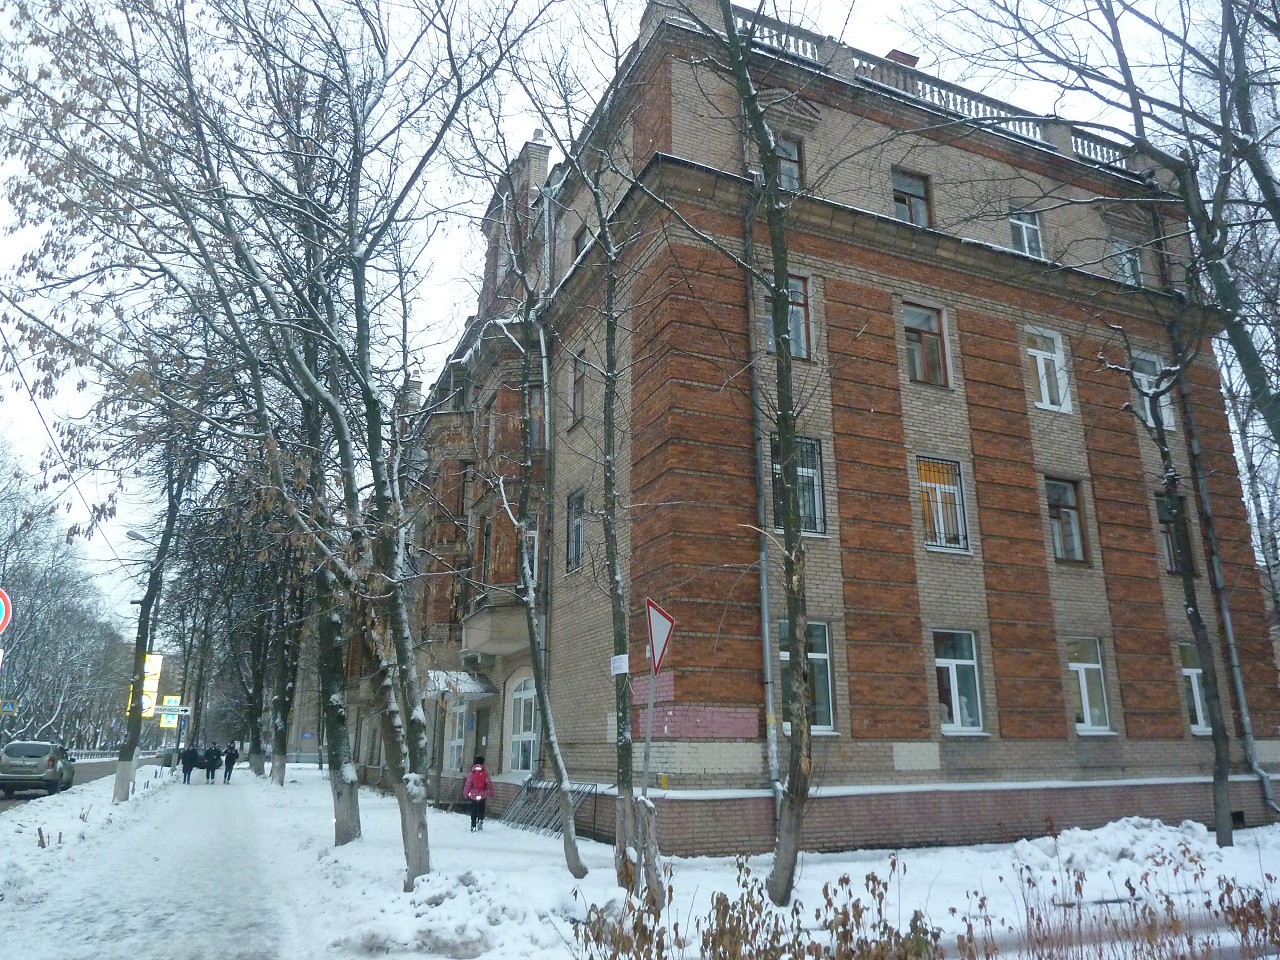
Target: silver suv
x=35 y=765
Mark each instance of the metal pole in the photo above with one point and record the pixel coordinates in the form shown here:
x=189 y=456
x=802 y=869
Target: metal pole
x=648 y=737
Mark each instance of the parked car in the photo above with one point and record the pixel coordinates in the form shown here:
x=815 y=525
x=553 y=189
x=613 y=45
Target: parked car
x=35 y=765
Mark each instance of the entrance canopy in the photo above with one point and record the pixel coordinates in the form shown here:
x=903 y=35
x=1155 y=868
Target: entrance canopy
x=458 y=685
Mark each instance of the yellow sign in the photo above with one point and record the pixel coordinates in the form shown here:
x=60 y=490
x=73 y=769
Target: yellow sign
x=151 y=684
x=169 y=720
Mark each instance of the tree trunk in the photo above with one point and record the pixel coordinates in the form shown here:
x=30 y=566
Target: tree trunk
x=176 y=477
x=331 y=666
x=410 y=792
x=1204 y=646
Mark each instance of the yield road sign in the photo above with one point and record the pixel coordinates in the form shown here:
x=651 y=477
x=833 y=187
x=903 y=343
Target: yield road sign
x=6 y=610
x=661 y=624
x=8 y=708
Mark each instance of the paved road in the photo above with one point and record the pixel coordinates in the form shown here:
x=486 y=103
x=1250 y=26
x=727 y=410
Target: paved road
x=86 y=770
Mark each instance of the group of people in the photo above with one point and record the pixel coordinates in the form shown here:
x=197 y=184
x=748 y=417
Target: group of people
x=212 y=761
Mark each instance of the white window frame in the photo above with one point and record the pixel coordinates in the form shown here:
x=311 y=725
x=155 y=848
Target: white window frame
x=917 y=349
x=953 y=667
x=809 y=477
x=1169 y=536
x=1051 y=368
x=824 y=658
x=1024 y=228
x=457 y=734
x=936 y=538
x=537 y=417
x=1148 y=381
x=790 y=165
x=917 y=206
x=577 y=388
x=1193 y=685
x=1126 y=261
x=531 y=540
x=522 y=740
x=1080 y=672
x=576 y=529
x=799 y=324
x=1056 y=524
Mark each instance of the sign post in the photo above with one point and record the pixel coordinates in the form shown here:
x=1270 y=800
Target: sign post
x=6 y=614
x=661 y=624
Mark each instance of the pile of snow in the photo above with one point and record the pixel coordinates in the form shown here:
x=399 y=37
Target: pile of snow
x=67 y=821
x=1131 y=841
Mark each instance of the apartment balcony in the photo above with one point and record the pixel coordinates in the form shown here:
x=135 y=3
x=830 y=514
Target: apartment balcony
x=495 y=627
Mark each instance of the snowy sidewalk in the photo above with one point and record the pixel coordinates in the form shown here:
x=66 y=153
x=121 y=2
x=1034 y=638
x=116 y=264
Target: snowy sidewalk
x=248 y=871
x=184 y=879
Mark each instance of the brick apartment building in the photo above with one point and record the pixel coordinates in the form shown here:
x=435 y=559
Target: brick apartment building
x=997 y=631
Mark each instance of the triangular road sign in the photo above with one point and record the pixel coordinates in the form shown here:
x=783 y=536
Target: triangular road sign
x=661 y=624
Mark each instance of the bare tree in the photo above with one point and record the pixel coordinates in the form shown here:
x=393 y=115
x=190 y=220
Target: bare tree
x=272 y=221
x=1154 y=398
x=1189 y=86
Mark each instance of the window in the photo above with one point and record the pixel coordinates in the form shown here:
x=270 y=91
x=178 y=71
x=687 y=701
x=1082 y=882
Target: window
x=578 y=394
x=1170 y=541
x=535 y=418
x=465 y=470
x=1064 y=519
x=925 y=354
x=1084 y=661
x=942 y=504
x=531 y=549
x=1193 y=682
x=491 y=428
x=797 y=317
x=1147 y=372
x=819 y=673
x=1126 y=262
x=581 y=240
x=1025 y=227
x=1049 y=358
x=959 y=708
x=457 y=733
x=809 y=481
x=911 y=198
x=575 y=544
x=486 y=549
x=524 y=727
x=789 y=165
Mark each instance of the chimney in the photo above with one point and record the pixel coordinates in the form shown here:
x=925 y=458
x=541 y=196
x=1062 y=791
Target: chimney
x=906 y=59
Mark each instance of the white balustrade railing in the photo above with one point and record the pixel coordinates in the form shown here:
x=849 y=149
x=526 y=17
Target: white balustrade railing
x=778 y=37
x=953 y=99
x=1093 y=148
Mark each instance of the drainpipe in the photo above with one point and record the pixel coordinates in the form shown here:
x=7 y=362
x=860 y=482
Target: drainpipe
x=1220 y=593
x=548 y=500
x=762 y=504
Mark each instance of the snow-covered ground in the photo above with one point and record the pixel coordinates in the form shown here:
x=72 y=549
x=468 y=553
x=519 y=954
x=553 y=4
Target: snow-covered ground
x=248 y=871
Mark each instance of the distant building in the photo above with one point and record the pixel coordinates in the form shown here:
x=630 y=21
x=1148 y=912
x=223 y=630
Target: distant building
x=997 y=631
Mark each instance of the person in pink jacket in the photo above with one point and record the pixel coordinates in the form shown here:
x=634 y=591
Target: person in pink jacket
x=478 y=789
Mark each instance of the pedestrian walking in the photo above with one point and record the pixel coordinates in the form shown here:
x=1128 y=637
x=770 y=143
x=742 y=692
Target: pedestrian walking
x=229 y=759
x=212 y=762
x=190 y=758
x=478 y=789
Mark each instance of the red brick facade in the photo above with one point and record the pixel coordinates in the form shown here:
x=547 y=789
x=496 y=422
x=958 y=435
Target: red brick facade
x=896 y=765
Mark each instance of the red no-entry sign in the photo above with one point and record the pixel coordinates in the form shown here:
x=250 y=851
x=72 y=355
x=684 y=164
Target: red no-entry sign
x=6 y=610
